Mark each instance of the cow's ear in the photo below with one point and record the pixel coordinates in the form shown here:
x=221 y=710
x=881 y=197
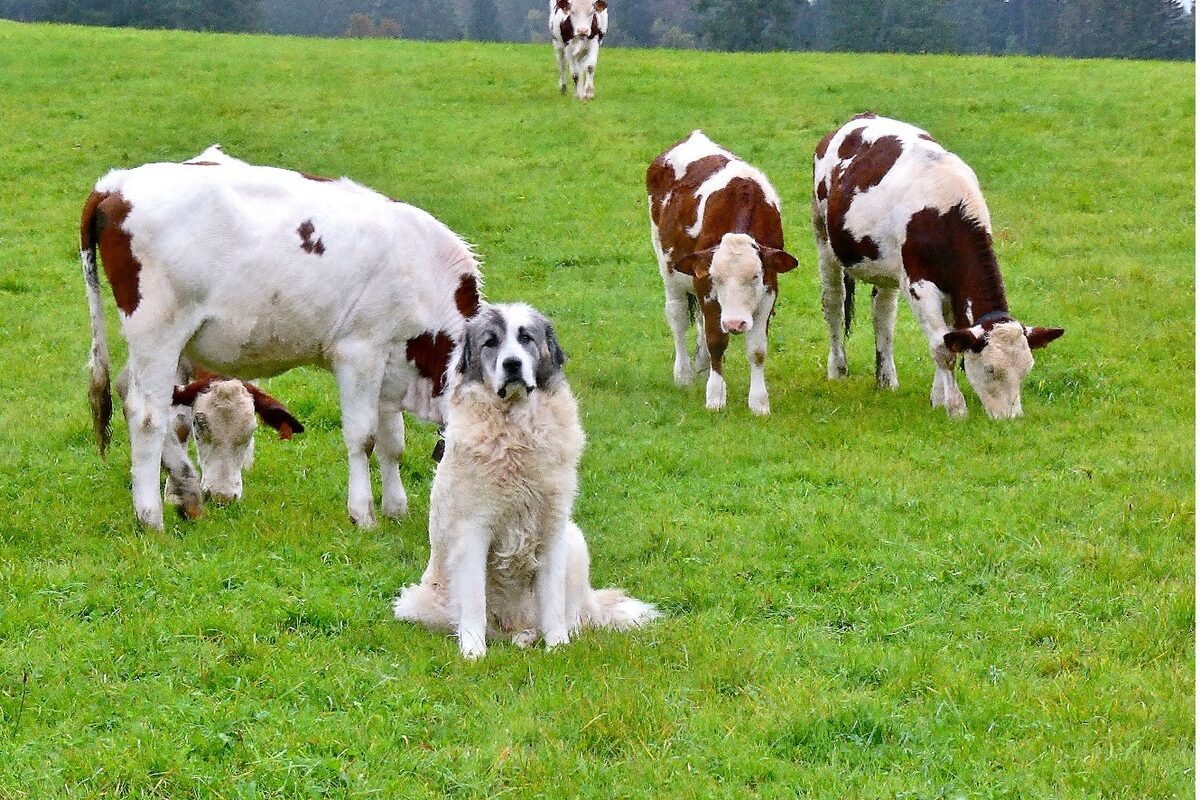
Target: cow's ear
x=778 y=260
x=601 y=5
x=562 y=5
x=273 y=413
x=695 y=264
x=1040 y=337
x=186 y=395
x=963 y=339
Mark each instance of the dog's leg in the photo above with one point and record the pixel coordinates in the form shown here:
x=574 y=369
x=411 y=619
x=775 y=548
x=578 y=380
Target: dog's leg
x=468 y=585
x=551 y=586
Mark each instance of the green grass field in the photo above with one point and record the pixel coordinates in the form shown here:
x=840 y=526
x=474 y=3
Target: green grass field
x=864 y=599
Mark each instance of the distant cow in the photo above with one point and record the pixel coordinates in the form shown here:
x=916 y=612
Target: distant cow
x=219 y=413
x=894 y=208
x=577 y=27
x=716 y=230
x=254 y=270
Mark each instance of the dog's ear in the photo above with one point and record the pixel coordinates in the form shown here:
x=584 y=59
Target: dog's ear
x=464 y=360
x=552 y=357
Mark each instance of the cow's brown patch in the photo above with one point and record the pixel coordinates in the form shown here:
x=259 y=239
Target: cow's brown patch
x=823 y=145
x=596 y=33
x=954 y=252
x=822 y=190
x=307 y=243
x=851 y=143
x=565 y=30
x=466 y=296
x=430 y=354
x=868 y=165
x=926 y=137
x=101 y=227
x=201 y=164
x=317 y=178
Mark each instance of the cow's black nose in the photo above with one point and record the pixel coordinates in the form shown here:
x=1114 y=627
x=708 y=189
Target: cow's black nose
x=512 y=365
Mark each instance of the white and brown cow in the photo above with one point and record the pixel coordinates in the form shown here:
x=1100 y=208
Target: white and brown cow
x=219 y=413
x=577 y=27
x=894 y=208
x=717 y=233
x=254 y=270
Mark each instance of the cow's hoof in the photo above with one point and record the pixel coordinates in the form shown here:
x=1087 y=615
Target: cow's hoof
x=150 y=519
x=837 y=371
x=562 y=88
x=760 y=406
x=684 y=376
x=363 y=518
x=957 y=410
x=395 y=509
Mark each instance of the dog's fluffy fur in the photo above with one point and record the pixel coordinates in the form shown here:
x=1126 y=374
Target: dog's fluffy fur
x=505 y=557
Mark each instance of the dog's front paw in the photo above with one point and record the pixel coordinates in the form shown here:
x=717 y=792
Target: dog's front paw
x=556 y=638
x=525 y=638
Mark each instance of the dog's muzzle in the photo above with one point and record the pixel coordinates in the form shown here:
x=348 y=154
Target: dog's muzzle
x=517 y=386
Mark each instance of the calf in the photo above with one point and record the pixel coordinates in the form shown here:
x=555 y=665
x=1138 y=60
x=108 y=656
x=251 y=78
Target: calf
x=254 y=270
x=219 y=413
x=894 y=208
x=716 y=230
x=577 y=27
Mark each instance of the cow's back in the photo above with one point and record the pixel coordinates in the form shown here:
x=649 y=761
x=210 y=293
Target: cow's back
x=279 y=268
x=870 y=177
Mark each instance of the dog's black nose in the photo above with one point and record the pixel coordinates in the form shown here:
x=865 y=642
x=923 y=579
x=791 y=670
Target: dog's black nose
x=512 y=365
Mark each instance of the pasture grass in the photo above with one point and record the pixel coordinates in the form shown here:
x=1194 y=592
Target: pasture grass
x=864 y=598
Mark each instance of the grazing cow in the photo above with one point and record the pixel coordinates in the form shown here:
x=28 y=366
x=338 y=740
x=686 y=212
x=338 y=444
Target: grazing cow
x=716 y=230
x=894 y=208
x=577 y=27
x=219 y=412
x=254 y=270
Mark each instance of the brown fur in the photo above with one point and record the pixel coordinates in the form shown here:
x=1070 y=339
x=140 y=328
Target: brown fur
x=466 y=296
x=430 y=353
x=306 y=230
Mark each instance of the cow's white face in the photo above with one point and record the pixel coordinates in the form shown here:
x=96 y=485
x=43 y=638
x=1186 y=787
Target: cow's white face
x=996 y=371
x=580 y=13
x=737 y=279
x=223 y=421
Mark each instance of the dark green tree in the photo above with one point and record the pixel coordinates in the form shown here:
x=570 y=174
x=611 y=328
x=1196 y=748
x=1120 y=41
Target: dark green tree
x=746 y=24
x=484 y=24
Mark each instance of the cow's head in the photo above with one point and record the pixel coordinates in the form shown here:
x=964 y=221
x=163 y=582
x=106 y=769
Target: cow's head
x=737 y=268
x=223 y=423
x=580 y=13
x=997 y=360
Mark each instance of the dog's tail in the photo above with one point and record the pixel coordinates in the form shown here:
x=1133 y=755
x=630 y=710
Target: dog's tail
x=615 y=610
x=424 y=604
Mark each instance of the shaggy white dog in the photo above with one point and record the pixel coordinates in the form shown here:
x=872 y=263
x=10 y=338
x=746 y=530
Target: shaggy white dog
x=505 y=557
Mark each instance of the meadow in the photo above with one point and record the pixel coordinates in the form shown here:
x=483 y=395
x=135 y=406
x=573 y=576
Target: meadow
x=864 y=599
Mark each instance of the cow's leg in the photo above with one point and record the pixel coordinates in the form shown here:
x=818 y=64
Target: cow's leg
x=833 y=299
x=561 y=55
x=680 y=320
x=702 y=361
x=183 y=482
x=927 y=303
x=716 y=341
x=147 y=410
x=359 y=382
x=389 y=447
x=756 y=354
x=593 y=56
x=578 y=76
x=883 y=313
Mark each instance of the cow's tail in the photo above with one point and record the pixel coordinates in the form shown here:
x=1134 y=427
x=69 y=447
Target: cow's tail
x=99 y=391
x=848 y=303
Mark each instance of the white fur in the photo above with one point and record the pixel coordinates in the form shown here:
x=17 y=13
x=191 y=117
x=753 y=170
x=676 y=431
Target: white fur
x=582 y=51
x=224 y=279
x=505 y=557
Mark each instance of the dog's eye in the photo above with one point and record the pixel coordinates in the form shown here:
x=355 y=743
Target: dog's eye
x=524 y=338
x=491 y=341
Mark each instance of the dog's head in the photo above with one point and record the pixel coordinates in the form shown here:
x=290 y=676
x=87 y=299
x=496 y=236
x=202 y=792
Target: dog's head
x=511 y=349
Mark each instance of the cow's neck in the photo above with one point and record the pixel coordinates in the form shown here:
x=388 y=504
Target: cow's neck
x=977 y=285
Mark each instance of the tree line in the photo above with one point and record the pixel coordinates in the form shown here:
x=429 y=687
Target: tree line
x=1159 y=29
